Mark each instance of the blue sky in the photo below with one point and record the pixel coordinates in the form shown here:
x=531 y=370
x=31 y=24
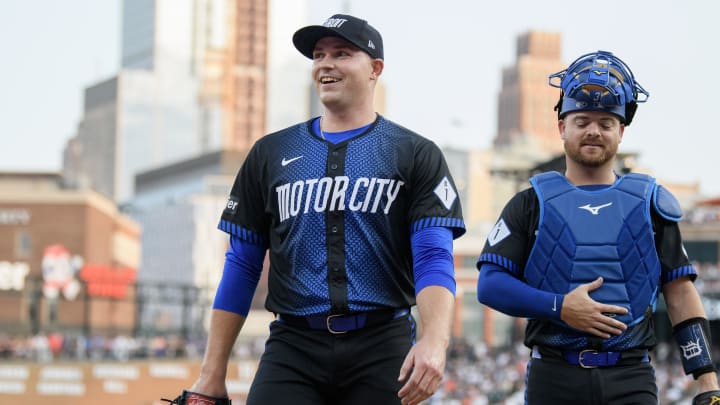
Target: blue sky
x=443 y=69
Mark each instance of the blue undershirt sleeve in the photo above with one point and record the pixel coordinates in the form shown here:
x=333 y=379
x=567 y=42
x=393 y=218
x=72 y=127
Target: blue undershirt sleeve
x=498 y=289
x=241 y=274
x=432 y=258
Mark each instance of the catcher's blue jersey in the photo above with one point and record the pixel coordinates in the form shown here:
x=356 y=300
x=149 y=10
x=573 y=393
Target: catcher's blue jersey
x=337 y=218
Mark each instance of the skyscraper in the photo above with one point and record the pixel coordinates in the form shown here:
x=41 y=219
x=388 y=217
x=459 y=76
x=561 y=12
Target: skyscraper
x=192 y=81
x=525 y=102
x=221 y=43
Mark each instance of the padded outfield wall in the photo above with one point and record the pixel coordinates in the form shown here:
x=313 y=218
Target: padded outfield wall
x=112 y=383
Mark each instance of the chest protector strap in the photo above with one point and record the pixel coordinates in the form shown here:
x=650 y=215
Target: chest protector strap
x=585 y=234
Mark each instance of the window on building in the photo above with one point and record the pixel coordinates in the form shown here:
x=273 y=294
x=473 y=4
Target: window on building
x=23 y=245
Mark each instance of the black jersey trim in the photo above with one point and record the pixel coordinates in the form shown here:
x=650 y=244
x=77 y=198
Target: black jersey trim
x=456 y=224
x=501 y=261
x=242 y=233
x=680 y=272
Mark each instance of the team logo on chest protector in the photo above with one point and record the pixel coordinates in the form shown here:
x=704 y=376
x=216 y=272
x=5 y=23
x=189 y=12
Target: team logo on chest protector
x=364 y=194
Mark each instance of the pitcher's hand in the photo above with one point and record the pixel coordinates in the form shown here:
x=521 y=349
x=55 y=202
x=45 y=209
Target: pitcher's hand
x=425 y=365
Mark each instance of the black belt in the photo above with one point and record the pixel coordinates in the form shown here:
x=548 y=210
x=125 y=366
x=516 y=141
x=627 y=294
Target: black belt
x=592 y=358
x=343 y=323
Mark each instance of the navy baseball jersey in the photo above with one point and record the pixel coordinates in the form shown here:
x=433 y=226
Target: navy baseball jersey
x=337 y=218
x=511 y=241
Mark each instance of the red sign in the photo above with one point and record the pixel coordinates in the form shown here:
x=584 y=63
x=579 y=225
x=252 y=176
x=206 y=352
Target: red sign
x=106 y=281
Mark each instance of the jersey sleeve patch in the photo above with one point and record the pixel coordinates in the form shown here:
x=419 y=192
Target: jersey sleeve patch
x=231 y=206
x=445 y=192
x=666 y=204
x=499 y=232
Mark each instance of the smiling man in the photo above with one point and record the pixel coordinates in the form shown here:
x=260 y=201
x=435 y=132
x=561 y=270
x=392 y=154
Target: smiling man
x=585 y=254
x=358 y=215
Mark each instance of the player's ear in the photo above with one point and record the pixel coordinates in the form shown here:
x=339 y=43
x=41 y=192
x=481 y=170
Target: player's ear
x=377 y=68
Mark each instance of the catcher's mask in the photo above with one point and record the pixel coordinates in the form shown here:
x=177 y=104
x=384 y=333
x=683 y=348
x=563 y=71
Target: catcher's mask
x=598 y=81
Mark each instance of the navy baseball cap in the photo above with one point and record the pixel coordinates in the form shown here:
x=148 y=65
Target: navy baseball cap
x=352 y=29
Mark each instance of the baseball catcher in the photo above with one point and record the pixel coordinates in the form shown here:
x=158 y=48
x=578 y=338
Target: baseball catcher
x=584 y=255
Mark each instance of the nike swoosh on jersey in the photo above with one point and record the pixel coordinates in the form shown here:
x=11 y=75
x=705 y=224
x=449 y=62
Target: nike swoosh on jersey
x=286 y=162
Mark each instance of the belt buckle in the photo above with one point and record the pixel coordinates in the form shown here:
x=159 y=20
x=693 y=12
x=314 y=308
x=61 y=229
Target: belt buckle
x=580 y=358
x=329 y=327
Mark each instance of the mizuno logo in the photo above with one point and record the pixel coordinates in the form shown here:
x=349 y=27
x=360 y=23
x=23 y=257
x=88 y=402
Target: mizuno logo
x=286 y=162
x=598 y=72
x=594 y=210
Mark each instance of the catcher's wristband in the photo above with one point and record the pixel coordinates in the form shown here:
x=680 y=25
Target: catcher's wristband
x=693 y=339
x=195 y=398
x=707 y=398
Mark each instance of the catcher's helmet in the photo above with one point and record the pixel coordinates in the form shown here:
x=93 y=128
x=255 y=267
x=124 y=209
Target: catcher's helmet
x=598 y=81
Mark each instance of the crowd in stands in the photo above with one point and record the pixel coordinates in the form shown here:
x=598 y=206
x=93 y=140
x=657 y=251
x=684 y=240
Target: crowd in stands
x=56 y=346
x=703 y=214
x=478 y=375
x=475 y=375
x=708 y=280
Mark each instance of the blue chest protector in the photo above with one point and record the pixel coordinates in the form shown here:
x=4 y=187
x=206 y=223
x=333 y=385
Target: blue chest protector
x=586 y=234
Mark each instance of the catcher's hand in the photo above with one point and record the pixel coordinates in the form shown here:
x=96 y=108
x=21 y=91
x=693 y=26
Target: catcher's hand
x=194 y=398
x=707 y=398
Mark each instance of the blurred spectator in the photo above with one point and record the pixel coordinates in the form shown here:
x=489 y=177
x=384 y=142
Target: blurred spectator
x=55 y=344
x=158 y=346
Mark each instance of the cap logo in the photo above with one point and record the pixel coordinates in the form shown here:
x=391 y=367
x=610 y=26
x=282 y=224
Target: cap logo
x=334 y=22
x=371 y=45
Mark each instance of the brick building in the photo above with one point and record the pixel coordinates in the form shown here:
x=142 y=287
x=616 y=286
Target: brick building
x=68 y=258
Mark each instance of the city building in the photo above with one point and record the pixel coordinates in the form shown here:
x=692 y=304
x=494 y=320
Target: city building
x=179 y=207
x=68 y=259
x=526 y=102
x=192 y=80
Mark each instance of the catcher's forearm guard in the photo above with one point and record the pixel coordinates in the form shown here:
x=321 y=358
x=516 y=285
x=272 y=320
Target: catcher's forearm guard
x=195 y=398
x=693 y=339
x=707 y=398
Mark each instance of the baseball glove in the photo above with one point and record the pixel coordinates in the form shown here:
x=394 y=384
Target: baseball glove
x=707 y=398
x=194 y=398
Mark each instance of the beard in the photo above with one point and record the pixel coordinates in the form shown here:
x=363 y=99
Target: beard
x=576 y=154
